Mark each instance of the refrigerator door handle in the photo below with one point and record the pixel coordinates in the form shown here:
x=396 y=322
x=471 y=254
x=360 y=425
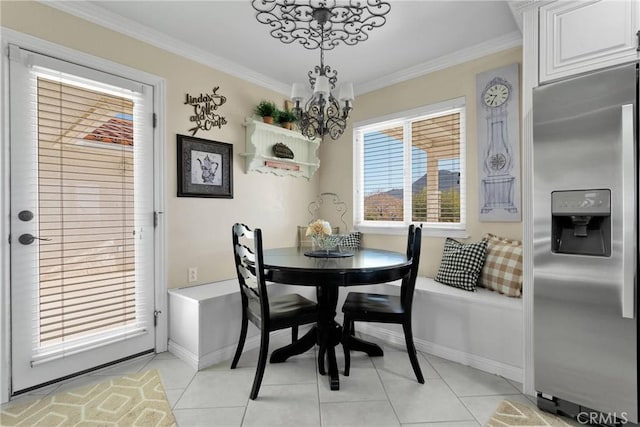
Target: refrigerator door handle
x=628 y=213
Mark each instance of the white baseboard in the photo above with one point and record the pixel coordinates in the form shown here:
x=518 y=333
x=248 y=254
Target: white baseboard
x=220 y=355
x=492 y=366
x=183 y=354
x=392 y=337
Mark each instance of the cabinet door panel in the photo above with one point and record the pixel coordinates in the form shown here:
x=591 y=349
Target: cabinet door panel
x=576 y=37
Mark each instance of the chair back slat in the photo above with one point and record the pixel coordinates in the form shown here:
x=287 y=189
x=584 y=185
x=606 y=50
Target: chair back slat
x=249 y=267
x=410 y=237
x=246 y=267
x=414 y=243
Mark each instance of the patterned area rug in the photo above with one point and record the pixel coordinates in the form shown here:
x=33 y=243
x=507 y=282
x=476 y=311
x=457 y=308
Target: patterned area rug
x=515 y=414
x=133 y=400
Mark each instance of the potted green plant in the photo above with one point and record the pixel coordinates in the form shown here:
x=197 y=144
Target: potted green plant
x=286 y=119
x=267 y=110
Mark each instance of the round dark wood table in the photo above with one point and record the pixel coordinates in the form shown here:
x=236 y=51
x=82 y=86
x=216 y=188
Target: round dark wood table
x=365 y=267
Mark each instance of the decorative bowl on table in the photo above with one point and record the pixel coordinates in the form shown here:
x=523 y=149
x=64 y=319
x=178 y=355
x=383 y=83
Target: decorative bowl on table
x=324 y=243
x=328 y=247
x=329 y=242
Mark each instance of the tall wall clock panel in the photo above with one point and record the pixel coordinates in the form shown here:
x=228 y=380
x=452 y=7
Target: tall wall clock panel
x=498 y=102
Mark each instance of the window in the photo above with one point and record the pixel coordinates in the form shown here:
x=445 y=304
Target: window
x=410 y=169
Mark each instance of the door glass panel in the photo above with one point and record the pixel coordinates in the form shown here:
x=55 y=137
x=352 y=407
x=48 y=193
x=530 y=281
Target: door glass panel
x=87 y=270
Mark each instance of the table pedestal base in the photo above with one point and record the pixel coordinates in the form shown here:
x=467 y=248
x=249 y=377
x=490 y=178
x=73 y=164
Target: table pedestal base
x=327 y=334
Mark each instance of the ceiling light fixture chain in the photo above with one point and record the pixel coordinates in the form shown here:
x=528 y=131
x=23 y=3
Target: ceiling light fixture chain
x=323 y=25
x=323 y=70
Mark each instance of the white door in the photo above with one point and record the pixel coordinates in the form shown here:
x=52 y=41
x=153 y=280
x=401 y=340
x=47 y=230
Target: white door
x=82 y=240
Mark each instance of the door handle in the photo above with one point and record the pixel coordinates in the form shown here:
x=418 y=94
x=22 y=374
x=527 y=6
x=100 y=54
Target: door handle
x=628 y=218
x=27 y=239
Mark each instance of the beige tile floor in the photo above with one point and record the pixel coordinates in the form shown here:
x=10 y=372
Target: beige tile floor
x=379 y=392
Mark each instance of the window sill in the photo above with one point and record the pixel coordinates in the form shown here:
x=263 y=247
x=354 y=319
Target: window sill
x=402 y=230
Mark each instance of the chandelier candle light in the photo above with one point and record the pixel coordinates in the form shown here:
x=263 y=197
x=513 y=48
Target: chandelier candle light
x=323 y=25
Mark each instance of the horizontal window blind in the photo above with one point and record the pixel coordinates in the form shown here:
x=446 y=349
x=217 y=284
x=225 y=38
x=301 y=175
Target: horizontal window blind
x=435 y=144
x=383 y=175
x=411 y=170
x=86 y=208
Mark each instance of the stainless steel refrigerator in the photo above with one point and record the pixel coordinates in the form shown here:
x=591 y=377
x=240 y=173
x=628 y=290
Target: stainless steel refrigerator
x=585 y=133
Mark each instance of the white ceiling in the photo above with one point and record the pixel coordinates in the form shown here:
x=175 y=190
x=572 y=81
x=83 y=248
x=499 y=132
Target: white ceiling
x=418 y=37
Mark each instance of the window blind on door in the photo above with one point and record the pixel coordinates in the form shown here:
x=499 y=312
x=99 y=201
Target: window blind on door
x=87 y=209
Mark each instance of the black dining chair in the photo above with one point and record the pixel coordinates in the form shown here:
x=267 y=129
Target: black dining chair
x=268 y=314
x=379 y=308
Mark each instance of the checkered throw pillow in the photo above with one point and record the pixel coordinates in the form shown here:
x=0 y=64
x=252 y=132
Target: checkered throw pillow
x=502 y=269
x=351 y=240
x=461 y=264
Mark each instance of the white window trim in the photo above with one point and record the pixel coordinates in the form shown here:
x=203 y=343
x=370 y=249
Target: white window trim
x=26 y=41
x=399 y=228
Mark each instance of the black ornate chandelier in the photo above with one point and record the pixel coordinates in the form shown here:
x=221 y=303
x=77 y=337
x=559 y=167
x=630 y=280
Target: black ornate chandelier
x=323 y=25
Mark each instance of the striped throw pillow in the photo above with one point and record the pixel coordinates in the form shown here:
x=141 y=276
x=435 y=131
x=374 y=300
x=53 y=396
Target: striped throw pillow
x=502 y=271
x=461 y=264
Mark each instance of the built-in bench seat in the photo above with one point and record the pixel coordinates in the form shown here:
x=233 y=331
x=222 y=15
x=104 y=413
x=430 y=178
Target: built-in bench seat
x=204 y=321
x=482 y=329
x=481 y=296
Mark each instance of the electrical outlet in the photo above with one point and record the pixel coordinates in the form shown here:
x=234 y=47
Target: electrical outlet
x=193 y=274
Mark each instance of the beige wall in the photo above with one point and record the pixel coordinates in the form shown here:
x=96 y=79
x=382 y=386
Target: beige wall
x=453 y=82
x=198 y=229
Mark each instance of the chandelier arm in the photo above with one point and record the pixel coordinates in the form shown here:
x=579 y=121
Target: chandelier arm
x=322 y=116
x=332 y=75
x=335 y=124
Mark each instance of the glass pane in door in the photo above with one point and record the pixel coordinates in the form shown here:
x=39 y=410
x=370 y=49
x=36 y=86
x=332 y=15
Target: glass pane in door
x=85 y=170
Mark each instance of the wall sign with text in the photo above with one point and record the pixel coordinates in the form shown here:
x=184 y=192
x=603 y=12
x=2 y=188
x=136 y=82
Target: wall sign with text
x=205 y=115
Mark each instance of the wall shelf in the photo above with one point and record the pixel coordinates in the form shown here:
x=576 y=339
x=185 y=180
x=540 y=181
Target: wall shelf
x=261 y=137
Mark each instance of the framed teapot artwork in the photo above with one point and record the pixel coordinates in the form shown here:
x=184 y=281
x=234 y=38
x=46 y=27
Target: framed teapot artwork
x=205 y=168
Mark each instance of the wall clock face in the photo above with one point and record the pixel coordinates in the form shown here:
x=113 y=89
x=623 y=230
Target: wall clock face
x=496 y=95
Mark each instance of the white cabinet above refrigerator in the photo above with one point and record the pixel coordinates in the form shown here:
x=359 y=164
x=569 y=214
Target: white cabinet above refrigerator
x=576 y=37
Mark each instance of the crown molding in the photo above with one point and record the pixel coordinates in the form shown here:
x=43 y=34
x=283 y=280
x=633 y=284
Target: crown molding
x=115 y=22
x=518 y=7
x=120 y=24
x=522 y=5
x=489 y=47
